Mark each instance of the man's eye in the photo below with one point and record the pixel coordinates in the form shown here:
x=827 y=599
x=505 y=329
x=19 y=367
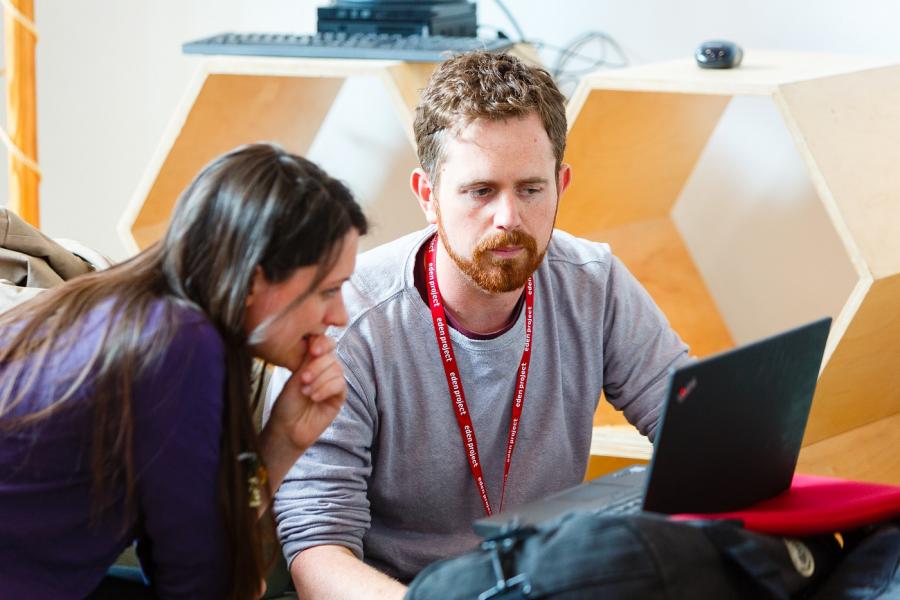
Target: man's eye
x=480 y=192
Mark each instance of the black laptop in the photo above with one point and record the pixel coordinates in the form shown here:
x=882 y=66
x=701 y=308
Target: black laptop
x=728 y=437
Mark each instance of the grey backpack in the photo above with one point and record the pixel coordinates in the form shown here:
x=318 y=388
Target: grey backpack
x=643 y=556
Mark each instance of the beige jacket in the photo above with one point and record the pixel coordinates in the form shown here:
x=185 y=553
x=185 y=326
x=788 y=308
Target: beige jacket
x=30 y=261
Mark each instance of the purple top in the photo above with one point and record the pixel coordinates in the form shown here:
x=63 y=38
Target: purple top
x=49 y=546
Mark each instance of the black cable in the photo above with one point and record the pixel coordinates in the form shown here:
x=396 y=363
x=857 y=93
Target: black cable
x=511 y=19
x=571 y=51
x=574 y=51
x=499 y=33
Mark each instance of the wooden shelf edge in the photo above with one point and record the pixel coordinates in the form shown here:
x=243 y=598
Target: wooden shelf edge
x=622 y=441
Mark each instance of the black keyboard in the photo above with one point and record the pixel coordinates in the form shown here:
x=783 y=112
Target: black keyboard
x=413 y=48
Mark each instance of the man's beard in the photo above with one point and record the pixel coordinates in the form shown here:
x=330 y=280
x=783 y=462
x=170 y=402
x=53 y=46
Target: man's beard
x=492 y=274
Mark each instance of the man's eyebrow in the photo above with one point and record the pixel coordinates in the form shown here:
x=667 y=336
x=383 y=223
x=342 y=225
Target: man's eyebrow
x=477 y=183
x=489 y=183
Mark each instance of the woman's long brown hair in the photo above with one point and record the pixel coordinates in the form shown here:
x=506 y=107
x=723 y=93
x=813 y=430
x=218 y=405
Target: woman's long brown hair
x=257 y=206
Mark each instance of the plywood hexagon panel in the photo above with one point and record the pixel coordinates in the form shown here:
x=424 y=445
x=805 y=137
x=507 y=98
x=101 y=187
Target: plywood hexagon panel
x=239 y=100
x=635 y=138
x=235 y=100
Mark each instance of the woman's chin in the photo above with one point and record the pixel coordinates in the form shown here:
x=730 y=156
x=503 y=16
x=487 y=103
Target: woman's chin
x=291 y=359
x=292 y=363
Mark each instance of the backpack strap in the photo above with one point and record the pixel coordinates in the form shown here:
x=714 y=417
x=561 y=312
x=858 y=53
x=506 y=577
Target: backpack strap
x=747 y=555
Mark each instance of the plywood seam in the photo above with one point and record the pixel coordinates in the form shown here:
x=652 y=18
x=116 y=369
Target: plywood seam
x=403 y=110
x=158 y=159
x=835 y=216
x=822 y=190
x=840 y=325
x=575 y=105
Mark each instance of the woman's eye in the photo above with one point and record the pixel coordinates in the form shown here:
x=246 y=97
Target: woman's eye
x=330 y=293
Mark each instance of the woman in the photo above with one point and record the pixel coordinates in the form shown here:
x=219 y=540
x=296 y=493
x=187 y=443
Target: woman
x=125 y=408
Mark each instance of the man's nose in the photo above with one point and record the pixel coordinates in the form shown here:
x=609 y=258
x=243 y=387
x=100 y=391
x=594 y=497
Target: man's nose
x=506 y=215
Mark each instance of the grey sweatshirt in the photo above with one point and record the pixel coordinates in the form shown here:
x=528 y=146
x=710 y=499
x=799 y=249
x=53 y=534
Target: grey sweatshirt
x=389 y=479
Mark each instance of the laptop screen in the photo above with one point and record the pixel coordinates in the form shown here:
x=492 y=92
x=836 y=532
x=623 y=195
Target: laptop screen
x=733 y=423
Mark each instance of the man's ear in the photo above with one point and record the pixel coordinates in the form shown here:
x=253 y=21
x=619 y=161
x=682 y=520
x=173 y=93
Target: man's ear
x=563 y=179
x=421 y=187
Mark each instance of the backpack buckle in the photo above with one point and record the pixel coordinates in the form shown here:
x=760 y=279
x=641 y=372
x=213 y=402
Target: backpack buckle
x=501 y=548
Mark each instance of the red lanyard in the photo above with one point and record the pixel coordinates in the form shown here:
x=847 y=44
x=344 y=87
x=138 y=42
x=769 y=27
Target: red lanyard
x=454 y=382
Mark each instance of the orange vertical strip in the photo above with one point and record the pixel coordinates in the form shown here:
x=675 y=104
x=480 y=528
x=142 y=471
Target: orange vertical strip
x=21 y=112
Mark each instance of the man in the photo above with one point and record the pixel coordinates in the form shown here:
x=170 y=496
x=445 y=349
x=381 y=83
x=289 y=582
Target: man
x=476 y=350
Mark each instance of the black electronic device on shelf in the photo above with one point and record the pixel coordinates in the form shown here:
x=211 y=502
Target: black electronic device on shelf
x=410 y=30
x=452 y=18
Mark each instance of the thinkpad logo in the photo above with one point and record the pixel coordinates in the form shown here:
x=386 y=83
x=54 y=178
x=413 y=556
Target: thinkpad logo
x=685 y=390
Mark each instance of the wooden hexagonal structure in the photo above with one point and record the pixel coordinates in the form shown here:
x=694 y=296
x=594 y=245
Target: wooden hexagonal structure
x=234 y=100
x=635 y=138
x=238 y=100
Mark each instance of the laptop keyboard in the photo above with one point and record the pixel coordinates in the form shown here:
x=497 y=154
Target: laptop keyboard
x=624 y=506
x=413 y=48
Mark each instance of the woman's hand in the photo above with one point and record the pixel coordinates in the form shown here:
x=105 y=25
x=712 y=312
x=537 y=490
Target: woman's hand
x=308 y=404
x=311 y=398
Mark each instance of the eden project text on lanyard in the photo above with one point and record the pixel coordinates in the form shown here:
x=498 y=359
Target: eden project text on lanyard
x=454 y=382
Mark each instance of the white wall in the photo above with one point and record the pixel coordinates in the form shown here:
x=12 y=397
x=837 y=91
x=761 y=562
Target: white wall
x=110 y=73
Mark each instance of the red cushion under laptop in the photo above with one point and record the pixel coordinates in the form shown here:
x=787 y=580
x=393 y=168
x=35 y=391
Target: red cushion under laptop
x=817 y=505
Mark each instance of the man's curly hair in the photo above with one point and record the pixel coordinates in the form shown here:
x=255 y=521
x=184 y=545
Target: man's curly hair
x=485 y=85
